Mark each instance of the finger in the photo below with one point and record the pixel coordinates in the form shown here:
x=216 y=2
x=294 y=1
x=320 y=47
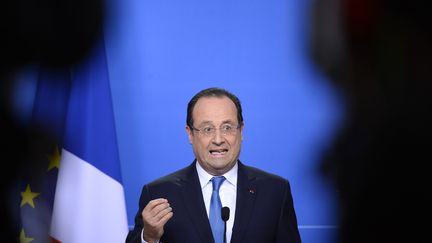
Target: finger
x=154 y=203
x=162 y=213
x=148 y=213
x=156 y=210
x=153 y=217
x=159 y=208
x=165 y=218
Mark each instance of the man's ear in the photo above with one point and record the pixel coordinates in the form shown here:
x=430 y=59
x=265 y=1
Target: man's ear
x=241 y=130
x=190 y=134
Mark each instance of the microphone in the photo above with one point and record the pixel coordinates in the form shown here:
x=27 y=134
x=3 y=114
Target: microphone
x=225 y=213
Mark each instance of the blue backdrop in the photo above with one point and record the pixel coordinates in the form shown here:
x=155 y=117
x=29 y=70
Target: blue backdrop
x=161 y=52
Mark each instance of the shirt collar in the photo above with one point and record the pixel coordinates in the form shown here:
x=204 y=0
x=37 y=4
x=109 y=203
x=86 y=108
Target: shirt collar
x=204 y=176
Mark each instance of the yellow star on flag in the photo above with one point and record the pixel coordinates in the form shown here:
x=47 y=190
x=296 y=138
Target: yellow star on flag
x=54 y=159
x=27 y=196
x=23 y=238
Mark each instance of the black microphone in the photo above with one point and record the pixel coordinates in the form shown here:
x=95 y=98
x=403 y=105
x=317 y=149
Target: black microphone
x=225 y=213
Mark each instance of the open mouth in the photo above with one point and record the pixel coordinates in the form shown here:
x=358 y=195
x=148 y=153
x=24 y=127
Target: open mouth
x=218 y=152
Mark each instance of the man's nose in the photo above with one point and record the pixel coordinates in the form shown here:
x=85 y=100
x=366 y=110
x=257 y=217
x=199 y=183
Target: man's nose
x=218 y=137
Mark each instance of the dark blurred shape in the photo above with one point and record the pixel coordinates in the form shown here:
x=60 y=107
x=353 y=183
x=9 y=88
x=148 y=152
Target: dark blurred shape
x=377 y=53
x=50 y=34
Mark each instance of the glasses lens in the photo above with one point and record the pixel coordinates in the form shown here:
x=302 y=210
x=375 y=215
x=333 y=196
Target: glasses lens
x=226 y=129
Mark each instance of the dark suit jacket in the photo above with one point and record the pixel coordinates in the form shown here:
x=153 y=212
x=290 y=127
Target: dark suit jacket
x=264 y=208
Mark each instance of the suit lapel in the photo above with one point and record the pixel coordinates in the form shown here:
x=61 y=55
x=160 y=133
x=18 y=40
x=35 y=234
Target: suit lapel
x=246 y=194
x=194 y=203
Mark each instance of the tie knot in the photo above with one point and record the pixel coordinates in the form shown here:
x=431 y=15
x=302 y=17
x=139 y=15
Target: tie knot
x=217 y=182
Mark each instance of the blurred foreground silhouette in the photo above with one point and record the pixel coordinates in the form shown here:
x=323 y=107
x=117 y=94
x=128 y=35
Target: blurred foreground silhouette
x=47 y=34
x=377 y=54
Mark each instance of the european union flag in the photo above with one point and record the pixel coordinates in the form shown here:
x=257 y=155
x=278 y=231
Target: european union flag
x=39 y=176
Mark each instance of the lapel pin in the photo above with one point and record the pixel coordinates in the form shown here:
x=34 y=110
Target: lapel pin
x=251 y=191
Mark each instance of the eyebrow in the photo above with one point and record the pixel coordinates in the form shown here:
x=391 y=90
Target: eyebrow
x=211 y=123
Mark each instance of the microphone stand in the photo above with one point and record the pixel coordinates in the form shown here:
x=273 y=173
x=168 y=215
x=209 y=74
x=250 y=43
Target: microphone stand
x=225 y=213
x=225 y=223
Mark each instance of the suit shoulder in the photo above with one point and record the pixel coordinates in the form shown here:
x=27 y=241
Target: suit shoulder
x=172 y=178
x=260 y=174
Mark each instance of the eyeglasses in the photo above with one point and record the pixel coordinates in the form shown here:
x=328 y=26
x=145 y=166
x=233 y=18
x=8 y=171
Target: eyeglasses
x=225 y=130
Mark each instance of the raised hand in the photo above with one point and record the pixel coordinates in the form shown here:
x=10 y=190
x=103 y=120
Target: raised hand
x=155 y=215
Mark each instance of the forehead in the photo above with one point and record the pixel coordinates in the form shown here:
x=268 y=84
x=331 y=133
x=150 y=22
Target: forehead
x=214 y=109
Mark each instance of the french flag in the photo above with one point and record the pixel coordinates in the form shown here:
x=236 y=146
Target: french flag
x=89 y=203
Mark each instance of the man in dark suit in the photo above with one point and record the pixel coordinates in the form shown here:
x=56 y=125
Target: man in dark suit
x=185 y=206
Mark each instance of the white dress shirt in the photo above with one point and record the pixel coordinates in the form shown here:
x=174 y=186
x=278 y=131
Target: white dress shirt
x=227 y=194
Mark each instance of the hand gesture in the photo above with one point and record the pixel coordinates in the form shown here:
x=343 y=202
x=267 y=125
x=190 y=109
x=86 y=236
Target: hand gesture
x=155 y=214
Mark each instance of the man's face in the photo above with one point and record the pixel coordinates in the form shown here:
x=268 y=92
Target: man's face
x=216 y=153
